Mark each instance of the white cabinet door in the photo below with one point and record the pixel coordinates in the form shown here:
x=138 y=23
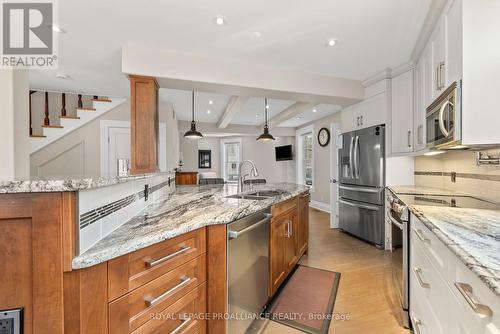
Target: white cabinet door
x=420 y=105
x=453 y=23
x=350 y=117
x=402 y=113
x=374 y=110
x=438 y=59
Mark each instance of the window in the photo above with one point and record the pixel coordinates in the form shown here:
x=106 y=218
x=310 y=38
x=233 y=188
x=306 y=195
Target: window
x=305 y=156
x=231 y=157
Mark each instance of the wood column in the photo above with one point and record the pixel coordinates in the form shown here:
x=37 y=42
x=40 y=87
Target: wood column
x=46 y=120
x=217 y=279
x=63 y=103
x=144 y=124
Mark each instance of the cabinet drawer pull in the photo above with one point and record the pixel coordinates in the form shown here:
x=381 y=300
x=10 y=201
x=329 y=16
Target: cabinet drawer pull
x=466 y=292
x=152 y=301
x=290 y=227
x=409 y=138
x=181 y=326
x=152 y=263
x=417 y=272
x=418 y=323
x=420 y=235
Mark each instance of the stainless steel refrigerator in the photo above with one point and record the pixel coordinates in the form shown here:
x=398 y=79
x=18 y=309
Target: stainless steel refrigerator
x=362 y=183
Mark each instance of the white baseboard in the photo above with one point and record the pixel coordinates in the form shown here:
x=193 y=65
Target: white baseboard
x=322 y=206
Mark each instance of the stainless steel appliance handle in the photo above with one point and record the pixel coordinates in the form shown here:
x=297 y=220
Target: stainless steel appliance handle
x=181 y=326
x=466 y=292
x=418 y=323
x=363 y=190
x=394 y=221
x=152 y=301
x=152 y=263
x=419 y=234
x=236 y=234
x=351 y=164
x=362 y=206
x=356 y=157
x=417 y=272
x=442 y=127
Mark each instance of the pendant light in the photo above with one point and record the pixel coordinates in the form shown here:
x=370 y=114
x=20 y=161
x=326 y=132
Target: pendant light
x=265 y=136
x=193 y=133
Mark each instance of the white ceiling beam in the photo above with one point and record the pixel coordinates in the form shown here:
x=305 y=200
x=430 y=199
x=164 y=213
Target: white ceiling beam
x=233 y=106
x=201 y=73
x=294 y=110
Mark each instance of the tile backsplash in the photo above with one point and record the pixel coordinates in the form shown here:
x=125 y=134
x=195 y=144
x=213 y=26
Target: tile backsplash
x=482 y=181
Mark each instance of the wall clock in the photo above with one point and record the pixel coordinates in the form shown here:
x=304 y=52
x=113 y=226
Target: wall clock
x=323 y=137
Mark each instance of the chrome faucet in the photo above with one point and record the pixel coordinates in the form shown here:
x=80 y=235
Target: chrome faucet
x=241 y=177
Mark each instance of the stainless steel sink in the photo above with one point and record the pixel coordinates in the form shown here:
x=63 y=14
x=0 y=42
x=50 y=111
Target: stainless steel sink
x=258 y=195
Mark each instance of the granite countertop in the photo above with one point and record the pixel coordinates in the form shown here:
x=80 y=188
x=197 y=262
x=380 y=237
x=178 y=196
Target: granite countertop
x=186 y=209
x=473 y=235
x=43 y=185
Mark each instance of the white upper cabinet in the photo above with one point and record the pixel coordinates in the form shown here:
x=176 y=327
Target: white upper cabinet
x=402 y=113
x=454 y=45
x=373 y=110
x=350 y=117
x=438 y=48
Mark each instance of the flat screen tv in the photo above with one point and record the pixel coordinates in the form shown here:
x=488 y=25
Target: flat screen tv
x=283 y=153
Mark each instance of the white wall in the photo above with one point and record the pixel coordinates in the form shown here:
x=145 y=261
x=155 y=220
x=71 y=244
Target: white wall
x=14 y=125
x=189 y=149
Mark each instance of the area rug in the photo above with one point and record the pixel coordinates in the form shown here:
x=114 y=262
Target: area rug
x=305 y=302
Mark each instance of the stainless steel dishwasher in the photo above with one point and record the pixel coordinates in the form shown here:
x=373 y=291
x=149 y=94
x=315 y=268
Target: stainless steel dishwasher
x=248 y=269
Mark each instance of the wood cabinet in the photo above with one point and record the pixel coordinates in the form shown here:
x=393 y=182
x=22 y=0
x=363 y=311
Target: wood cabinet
x=186 y=178
x=437 y=305
x=143 y=124
x=402 y=112
x=288 y=239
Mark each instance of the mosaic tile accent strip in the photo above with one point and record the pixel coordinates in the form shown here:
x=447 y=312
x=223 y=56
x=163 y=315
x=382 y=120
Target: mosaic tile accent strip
x=96 y=214
x=485 y=177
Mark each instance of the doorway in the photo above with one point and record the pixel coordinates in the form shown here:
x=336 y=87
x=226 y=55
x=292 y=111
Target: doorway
x=336 y=133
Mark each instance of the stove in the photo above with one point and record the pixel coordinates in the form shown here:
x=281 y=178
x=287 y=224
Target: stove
x=445 y=201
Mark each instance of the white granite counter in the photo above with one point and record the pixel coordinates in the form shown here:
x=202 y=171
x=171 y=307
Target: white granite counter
x=43 y=185
x=185 y=209
x=473 y=235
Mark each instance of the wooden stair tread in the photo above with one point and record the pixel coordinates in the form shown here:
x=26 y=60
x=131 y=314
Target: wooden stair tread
x=102 y=100
x=53 y=126
x=70 y=117
x=38 y=136
x=93 y=109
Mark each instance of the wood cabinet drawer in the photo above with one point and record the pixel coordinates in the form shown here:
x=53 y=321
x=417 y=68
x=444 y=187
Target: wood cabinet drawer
x=183 y=317
x=130 y=271
x=434 y=249
x=133 y=310
x=279 y=208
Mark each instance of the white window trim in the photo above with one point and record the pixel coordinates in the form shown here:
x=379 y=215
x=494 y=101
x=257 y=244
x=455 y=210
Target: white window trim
x=223 y=154
x=298 y=134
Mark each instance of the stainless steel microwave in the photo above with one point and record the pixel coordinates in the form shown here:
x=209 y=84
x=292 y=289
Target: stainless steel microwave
x=444 y=119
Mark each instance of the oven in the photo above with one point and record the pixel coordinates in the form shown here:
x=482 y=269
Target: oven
x=444 y=119
x=398 y=217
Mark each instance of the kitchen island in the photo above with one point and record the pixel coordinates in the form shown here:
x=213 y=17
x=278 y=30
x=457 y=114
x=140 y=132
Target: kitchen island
x=167 y=258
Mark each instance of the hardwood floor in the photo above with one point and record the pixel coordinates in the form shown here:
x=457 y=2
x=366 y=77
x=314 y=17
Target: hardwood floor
x=367 y=294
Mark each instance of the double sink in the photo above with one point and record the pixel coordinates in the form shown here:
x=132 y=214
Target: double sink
x=258 y=195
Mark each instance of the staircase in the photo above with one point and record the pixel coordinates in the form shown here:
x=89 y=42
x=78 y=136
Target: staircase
x=69 y=121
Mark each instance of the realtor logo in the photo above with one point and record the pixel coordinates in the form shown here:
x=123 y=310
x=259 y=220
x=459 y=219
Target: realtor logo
x=27 y=35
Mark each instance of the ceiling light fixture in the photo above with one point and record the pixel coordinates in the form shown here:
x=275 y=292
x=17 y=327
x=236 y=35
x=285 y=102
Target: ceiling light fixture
x=255 y=35
x=431 y=153
x=210 y=102
x=265 y=136
x=193 y=133
x=331 y=42
x=219 y=20
x=314 y=110
x=57 y=29
x=208 y=111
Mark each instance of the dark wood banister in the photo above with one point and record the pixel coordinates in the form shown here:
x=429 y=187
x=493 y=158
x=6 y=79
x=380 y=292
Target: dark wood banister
x=80 y=103
x=46 y=120
x=63 y=107
x=31 y=121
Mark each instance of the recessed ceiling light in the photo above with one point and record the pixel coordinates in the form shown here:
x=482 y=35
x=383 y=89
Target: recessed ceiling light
x=58 y=29
x=267 y=106
x=210 y=102
x=208 y=111
x=431 y=153
x=314 y=110
x=220 y=21
x=62 y=76
x=255 y=35
x=257 y=116
x=331 y=42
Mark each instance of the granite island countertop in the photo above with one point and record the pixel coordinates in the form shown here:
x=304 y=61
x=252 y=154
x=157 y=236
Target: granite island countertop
x=473 y=235
x=63 y=184
x=186 y=209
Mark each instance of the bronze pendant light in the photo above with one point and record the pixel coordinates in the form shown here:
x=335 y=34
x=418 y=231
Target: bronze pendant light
x=193 y=133
x=265 y=136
